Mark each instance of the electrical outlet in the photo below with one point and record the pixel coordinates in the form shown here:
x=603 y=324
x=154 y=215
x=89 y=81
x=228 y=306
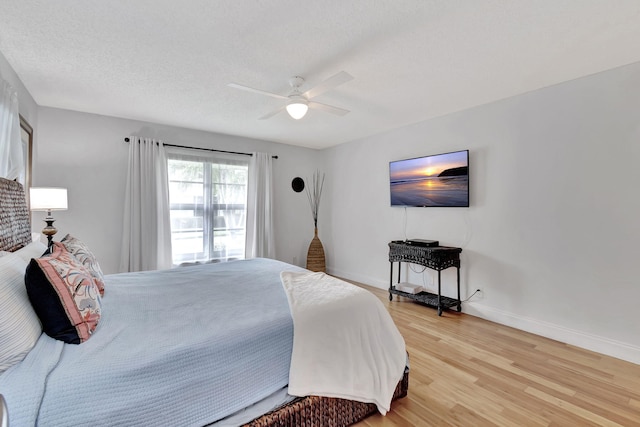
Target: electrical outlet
x=295 y=260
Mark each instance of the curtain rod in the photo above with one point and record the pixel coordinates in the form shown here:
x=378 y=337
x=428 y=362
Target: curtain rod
x=206 y=149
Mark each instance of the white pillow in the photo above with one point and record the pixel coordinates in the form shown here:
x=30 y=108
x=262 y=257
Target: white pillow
x=20 y=327
x=32 y=250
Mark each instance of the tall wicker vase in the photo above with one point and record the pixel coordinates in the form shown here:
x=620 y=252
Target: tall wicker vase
x=315 y=255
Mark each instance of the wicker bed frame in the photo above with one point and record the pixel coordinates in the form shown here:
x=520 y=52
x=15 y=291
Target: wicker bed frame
x=315 y=411
x=15 y=228
x=15 y=232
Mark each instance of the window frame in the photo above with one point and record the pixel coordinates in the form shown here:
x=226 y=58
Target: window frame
x=210 y=210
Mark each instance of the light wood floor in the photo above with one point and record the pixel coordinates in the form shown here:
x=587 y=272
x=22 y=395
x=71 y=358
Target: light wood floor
x=466 y=371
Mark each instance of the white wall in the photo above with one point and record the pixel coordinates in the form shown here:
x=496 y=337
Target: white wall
x=551 y=237
x=86 y=153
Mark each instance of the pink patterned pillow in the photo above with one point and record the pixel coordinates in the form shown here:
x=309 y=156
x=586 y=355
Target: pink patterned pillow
x=64 y=295
x=81 y=251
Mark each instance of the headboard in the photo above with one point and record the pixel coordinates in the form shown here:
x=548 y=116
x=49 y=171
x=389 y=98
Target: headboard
x=15 y=227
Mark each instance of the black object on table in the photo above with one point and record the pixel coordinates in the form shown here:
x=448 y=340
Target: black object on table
x=436 y=258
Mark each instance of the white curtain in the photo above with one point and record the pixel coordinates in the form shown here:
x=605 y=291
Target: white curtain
x=11 y=158
x=260 y=234
x=146 y=239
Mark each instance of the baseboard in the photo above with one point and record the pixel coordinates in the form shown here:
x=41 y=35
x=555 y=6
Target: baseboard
x=602 y=345
x=609 y=347
x=369 y=281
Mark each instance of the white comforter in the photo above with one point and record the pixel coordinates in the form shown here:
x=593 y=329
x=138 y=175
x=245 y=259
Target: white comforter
x=345 y=343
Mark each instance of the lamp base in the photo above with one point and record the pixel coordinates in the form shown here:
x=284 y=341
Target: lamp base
x=49 y=230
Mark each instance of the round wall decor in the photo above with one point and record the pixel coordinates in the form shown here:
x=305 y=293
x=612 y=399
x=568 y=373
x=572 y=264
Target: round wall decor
x=297 y=184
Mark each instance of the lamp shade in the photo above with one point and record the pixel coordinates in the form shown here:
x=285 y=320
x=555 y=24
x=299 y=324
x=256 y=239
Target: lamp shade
x=48 y=199
x=297 y=108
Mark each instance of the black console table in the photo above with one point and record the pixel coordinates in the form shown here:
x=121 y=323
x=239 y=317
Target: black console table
x=436 y=258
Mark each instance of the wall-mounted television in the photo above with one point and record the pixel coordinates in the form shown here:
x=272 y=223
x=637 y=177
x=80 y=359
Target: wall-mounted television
x=440 y=180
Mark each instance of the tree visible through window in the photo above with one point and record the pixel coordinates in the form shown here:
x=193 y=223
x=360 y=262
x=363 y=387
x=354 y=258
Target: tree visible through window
x=208 y=199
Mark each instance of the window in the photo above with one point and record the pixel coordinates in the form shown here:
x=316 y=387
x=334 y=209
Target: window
x=208 y=199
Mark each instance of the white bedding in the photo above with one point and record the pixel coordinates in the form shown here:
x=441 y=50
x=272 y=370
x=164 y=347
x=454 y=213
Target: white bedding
x=195 y=345
x=341 y=335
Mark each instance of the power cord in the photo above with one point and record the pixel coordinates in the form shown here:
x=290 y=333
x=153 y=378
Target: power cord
x=405 y=224
x=412 y=267
x=471 y=296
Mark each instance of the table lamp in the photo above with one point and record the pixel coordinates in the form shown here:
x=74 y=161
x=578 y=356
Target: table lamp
x=48 y=199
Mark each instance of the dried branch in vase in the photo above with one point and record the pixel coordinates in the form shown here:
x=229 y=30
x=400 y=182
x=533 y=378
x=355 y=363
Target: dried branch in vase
x=314 y=195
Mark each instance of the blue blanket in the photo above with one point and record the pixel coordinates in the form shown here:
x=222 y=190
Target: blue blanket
x=185 y=347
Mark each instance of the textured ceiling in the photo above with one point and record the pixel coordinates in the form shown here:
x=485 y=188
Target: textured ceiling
x=170 y=62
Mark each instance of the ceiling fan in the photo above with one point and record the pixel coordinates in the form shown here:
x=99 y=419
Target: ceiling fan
x=299 y=102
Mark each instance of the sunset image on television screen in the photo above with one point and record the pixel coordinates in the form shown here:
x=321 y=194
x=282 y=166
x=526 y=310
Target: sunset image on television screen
x=440 y=180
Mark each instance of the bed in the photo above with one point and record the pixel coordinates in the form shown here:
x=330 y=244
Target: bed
x=213 y=344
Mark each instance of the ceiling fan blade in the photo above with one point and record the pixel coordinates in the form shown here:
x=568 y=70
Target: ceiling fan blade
x=272 y=113
x=250 y=89
x=330 y=83
x=328 y=108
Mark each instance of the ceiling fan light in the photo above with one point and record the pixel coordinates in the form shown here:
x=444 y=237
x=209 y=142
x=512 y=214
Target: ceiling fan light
x=297 y=109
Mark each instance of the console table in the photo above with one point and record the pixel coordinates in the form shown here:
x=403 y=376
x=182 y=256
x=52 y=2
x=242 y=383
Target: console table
x=436 y=258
